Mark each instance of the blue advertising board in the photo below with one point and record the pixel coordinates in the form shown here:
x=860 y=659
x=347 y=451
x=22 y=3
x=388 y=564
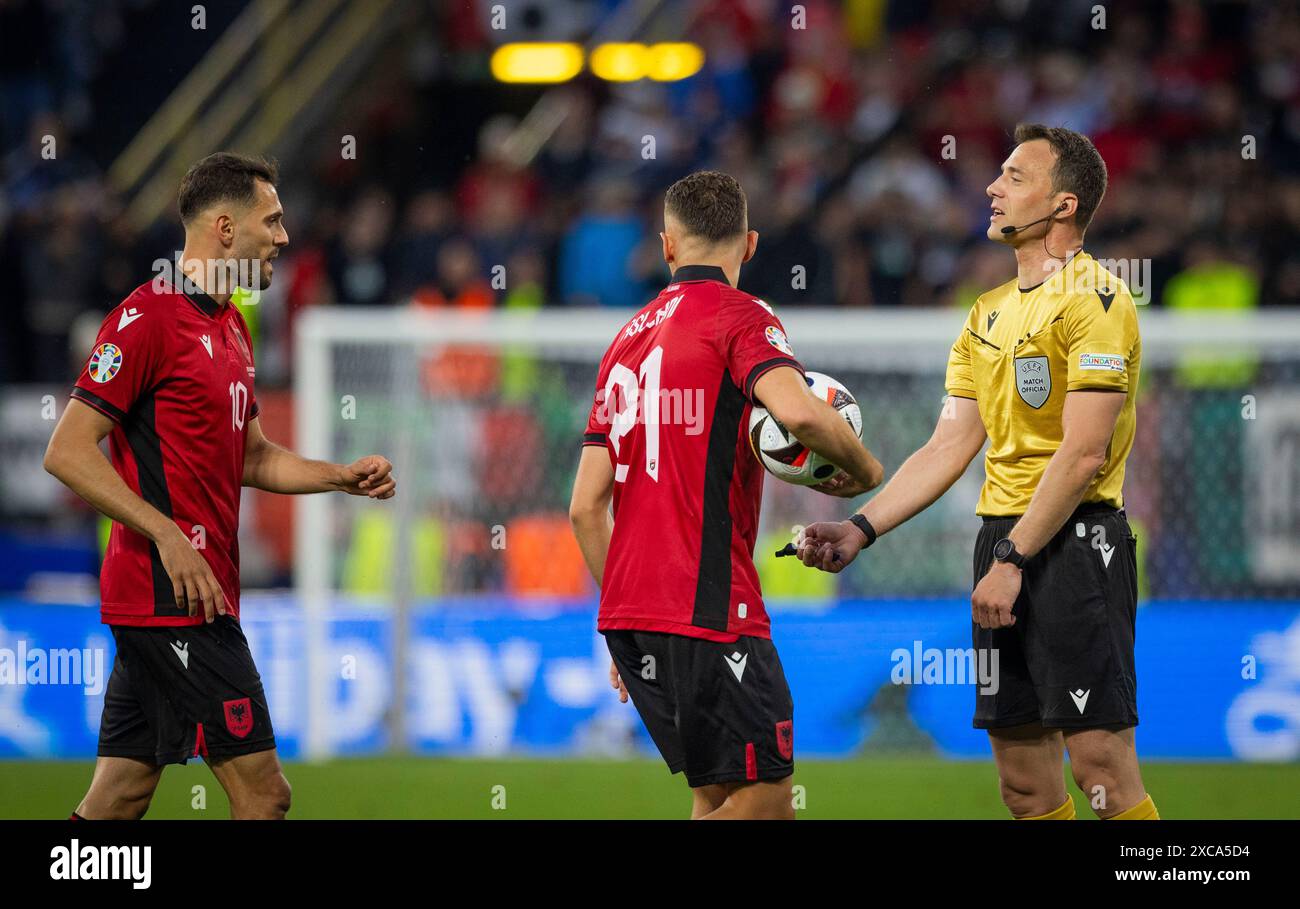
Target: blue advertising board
x=495 y=677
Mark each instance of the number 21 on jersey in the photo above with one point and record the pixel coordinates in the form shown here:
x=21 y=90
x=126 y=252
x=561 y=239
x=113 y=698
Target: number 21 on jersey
x=625 y=419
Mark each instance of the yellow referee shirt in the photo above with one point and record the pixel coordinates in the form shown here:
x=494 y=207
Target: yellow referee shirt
x=1019 y=354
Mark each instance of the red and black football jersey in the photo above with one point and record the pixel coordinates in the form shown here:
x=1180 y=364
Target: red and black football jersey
x=174 y=370
x=672 y=405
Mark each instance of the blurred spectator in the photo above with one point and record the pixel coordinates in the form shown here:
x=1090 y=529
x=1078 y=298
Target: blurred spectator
x=359 y=268
x=595 y=255
x=428 y=222
x=460 y=281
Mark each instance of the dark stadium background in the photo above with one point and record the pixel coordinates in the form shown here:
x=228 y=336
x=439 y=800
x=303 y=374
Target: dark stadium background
x=835 y=131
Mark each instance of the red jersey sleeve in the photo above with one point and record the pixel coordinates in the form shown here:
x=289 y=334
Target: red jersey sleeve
x=752 y=340
x=598 y=419
x=127 y=360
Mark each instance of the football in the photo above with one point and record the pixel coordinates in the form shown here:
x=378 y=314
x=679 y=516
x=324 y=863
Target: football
x=784 y=456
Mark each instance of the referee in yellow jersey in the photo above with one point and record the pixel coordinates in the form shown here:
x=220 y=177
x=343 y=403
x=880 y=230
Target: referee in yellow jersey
x=1046 y=368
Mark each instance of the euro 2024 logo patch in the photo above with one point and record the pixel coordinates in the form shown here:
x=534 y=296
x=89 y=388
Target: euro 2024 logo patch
x=105 y=362
x=776 y=337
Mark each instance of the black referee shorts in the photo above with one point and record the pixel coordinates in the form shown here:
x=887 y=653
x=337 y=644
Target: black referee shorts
x=721 y=712
x=178 y=693
x=1067 y=662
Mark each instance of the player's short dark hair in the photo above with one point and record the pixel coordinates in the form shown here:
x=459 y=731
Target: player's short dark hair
x=1079 y=168
x=222 y=177
x=710 y=205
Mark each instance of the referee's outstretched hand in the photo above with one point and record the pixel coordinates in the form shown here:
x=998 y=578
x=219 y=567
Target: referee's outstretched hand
x=369 y=476
x=829 y=545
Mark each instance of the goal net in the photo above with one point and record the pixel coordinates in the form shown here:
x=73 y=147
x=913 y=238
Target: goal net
x=482 y=415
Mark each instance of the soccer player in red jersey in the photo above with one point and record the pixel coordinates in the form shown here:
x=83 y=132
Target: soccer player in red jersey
x=170 y=383
x=666 y=442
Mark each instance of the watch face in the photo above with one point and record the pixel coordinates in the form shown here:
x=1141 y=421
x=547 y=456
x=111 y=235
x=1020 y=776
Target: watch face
x=1001 y=549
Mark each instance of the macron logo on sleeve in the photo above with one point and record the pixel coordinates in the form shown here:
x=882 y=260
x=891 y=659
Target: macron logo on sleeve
x=128 y=316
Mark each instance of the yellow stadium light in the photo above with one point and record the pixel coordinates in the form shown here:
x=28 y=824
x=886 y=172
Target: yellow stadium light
x=618 y=62
x=671 y=61
x=536 y=62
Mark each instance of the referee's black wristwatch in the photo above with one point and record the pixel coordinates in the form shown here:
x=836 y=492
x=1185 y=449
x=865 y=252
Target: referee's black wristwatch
x=864 y=525
x=1005 y=551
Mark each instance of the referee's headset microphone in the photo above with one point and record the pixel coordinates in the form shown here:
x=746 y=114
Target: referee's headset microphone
x=1015 y=230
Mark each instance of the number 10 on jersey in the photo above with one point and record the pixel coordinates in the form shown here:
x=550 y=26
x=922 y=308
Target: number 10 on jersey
x=238 y=405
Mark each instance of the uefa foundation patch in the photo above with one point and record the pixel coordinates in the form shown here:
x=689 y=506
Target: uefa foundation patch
x=1108 y=362
x=105 y=362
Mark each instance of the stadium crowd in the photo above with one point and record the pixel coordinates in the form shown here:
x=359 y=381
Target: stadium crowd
x=839 y=131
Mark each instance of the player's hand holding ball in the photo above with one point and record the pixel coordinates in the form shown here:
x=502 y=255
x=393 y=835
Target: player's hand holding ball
x=369 y=476
x=829 y=545
x=788 y=459
x=843 y=486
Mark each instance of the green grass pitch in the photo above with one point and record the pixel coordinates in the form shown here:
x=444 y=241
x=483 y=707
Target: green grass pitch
x=884 y=788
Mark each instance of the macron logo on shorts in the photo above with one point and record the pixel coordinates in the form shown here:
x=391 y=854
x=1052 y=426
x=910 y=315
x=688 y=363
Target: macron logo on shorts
x=182 y=653
x=1080 y=698
x=1106 y=552
x=737 y=664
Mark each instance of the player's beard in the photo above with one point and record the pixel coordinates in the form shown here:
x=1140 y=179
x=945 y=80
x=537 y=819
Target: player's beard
x=253 y=272
x=264 y=274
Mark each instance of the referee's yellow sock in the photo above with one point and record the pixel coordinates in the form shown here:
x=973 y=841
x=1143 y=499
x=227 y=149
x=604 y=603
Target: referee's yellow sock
x=1144 y=810
x=1064 y=813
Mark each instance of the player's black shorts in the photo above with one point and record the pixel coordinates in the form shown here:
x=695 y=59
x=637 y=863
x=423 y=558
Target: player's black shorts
x=1067 y=662
x=720 y=712
x=178 y=693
